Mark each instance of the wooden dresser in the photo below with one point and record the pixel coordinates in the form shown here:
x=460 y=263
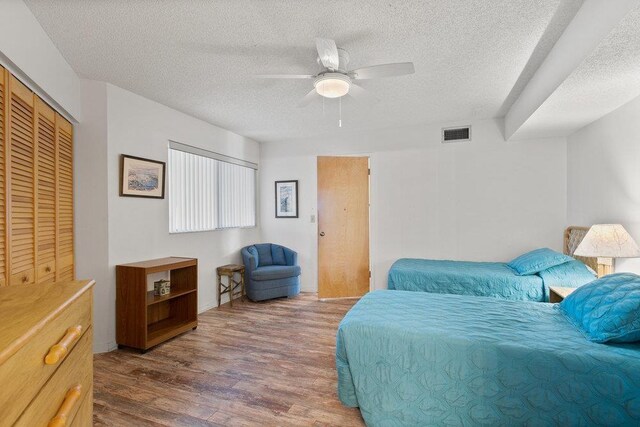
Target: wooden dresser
x=46 y=355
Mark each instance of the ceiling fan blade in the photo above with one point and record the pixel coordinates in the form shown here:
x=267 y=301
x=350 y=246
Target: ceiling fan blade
x=384 y=70
x=308 y=98
x=328 y=53
x=361 y=94
x=285 y=76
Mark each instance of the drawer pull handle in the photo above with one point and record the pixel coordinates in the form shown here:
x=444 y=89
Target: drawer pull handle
x=47 y=269
x=70 y=400
x=24 y=279
x=59 y=351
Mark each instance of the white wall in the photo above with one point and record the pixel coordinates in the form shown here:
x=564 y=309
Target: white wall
x=29 y=53
x=113 y=230
x=604 y=174
x=484 y=200
x=91 y=208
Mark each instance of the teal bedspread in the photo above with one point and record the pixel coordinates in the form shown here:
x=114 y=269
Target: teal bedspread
x=412 y=359
x=491 y=279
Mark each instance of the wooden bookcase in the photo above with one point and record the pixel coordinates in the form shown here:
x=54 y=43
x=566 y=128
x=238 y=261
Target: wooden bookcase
x=144 y=320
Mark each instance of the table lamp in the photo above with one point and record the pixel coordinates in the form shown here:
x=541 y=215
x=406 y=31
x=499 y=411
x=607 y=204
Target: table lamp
x=606 y=242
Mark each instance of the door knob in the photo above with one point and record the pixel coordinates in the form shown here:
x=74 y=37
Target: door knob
x=322 y=234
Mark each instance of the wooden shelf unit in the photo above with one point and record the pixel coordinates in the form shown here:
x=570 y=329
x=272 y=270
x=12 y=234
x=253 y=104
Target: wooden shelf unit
x=144 y=320
x=155 y=299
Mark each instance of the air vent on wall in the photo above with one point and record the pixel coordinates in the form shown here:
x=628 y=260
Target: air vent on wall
x=457 y=134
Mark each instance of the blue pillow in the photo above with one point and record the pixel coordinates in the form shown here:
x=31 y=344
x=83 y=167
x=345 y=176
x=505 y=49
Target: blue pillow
x=538 y=260
x=568 y=275
x=264 y=254
x=607 y=309
x=253 y=251
x=277 y=255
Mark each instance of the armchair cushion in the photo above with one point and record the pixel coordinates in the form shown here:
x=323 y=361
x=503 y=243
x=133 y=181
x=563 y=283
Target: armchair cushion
x=275 y=272
x=264 y=254
x=277 y=255
x=291 y=256
x=250 y=258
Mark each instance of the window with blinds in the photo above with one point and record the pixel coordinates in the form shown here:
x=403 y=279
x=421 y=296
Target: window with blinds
x=209 y=191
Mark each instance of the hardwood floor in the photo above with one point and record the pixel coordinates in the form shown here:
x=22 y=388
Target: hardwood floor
x=269 y=363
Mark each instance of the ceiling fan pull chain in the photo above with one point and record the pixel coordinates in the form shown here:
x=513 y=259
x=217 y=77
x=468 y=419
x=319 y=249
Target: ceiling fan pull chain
x=340 y=112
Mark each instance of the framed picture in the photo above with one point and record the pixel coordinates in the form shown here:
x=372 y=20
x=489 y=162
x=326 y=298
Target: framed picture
x=141 y=177
x=287 y=199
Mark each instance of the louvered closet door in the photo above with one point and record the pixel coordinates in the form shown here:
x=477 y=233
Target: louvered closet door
x=21 y=184
x=64 y=140
x=45 y=192
x=4 y=76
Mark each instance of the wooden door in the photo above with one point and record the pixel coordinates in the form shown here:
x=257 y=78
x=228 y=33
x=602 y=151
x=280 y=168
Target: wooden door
x=4 y=119
x=45 y=192
x=64 y=196
x=343 y=226
x=21 y=184
x=36 y=188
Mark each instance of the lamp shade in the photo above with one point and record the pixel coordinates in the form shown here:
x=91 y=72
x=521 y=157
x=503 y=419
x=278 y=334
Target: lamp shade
x=608 y=241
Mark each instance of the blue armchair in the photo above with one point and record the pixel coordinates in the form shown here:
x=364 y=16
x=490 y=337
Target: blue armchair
x=271 y=271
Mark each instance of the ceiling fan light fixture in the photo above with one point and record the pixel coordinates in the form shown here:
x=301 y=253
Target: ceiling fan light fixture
x=332 y=85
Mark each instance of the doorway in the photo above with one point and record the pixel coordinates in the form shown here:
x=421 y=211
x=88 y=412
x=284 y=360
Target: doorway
x=343 y=227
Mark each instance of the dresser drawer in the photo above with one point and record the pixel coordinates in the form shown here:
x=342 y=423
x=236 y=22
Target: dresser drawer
x=26 y=372
x=64 y=393
x=84 y=416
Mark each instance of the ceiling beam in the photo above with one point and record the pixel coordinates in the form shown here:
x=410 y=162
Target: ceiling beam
x=592 y=23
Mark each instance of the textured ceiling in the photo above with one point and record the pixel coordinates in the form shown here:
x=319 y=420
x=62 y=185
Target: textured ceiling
x=605 y=80
x=199 y=56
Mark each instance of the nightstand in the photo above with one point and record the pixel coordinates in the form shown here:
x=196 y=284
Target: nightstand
x=557 y=294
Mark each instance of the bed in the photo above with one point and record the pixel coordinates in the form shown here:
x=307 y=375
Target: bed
x=408 y=358
x=495 y=279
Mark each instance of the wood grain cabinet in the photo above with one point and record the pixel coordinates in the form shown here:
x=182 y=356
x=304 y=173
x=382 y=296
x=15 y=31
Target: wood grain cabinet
x=143 y=319
x=36 y=188
x=46 y=357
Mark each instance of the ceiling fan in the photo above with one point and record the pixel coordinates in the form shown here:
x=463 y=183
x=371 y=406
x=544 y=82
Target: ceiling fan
x=334 y=81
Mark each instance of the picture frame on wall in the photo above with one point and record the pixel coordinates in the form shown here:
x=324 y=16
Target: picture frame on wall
x=287 y=199
x=140 y=177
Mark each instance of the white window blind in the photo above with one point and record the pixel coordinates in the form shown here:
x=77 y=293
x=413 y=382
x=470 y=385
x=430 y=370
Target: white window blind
x=207 y=193
x=237 y=195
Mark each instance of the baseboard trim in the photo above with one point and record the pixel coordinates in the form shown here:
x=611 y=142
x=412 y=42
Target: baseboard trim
x=105 y=347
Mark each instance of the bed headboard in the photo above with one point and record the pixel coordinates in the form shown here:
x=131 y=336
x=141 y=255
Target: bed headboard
x=573 y=235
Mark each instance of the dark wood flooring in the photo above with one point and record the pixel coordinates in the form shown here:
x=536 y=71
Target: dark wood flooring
x=269 y=363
